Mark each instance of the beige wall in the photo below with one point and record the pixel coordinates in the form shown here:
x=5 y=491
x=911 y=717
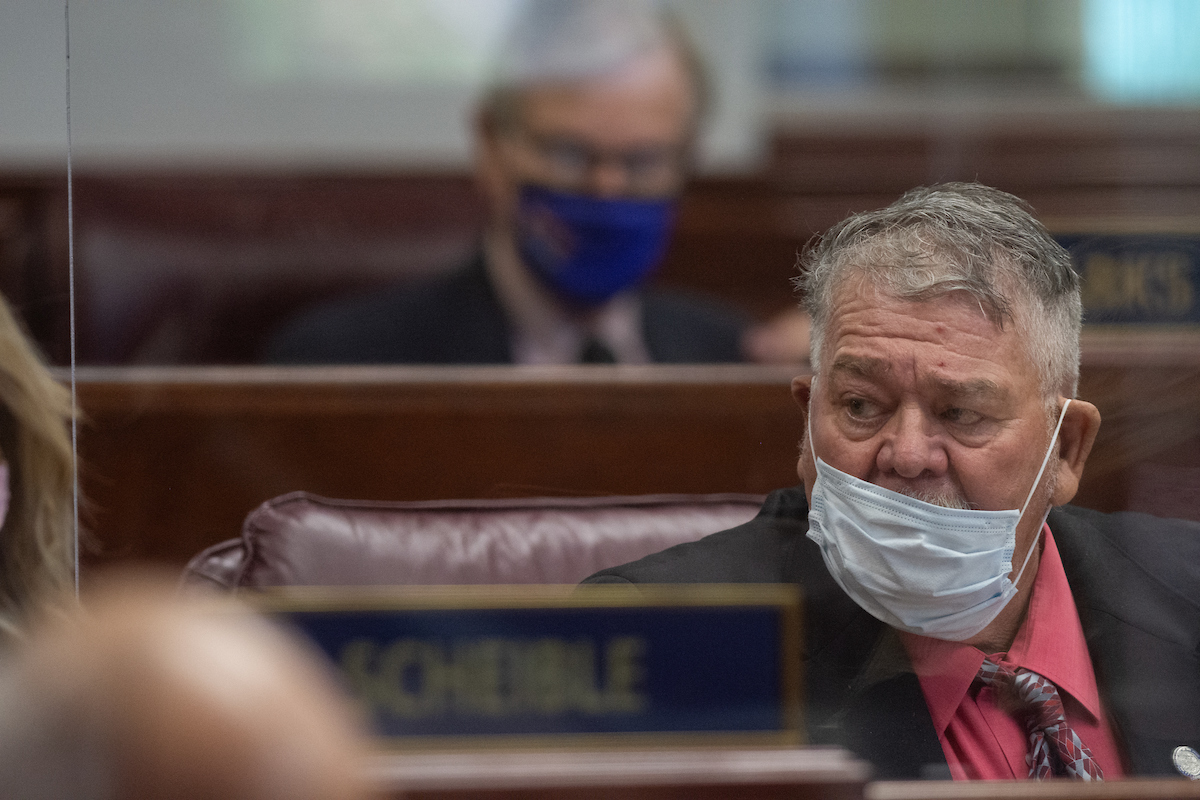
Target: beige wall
x=165 y=83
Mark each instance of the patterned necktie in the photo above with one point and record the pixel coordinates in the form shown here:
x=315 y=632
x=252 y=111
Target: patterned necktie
x=1054 y=749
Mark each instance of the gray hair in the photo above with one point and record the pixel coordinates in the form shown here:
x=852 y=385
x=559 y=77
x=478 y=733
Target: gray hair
x=958 y=237
x=567 y=41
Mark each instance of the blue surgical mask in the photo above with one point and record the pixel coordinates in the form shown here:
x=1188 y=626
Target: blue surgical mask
x=919 y=567
x=588 y=249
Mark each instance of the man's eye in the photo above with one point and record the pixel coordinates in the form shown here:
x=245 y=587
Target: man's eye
x=962 y=416
x=649 y=162
x=568 y=157
x=860 y=409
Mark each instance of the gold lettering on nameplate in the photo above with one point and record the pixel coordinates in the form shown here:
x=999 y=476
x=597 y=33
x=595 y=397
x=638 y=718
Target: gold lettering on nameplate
x=494 y=676
x=1151 y=282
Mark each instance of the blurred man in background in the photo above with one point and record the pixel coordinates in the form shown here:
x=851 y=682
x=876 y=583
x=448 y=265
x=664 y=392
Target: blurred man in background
x=583 y=144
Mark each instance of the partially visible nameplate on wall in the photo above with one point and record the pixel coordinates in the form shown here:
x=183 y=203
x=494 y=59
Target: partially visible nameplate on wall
x=1143 y=278
x=453 y=666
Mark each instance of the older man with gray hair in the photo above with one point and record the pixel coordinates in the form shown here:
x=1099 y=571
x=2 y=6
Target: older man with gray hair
x=583 y=142
x=961 y=620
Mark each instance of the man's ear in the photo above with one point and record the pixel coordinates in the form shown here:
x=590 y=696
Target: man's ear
x=489 y=171
x=801 y=389
x=805 y=468
x=1075 y=439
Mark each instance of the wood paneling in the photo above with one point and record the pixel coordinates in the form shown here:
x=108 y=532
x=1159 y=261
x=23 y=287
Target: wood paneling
x=34 y=268
x=1147 y=454
x=201 y=268
x=1075 y=165
x=174 y=458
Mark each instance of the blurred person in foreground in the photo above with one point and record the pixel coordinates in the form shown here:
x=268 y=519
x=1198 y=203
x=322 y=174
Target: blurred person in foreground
x=139 y=695
x=37 y=541
x=582 y=146
x=961 y=620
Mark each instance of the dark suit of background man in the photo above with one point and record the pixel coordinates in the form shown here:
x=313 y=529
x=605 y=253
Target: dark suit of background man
x=945 y=347
x=582 y=146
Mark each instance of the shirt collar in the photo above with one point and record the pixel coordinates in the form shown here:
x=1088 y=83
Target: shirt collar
x=544 y=332
x=1049 y=642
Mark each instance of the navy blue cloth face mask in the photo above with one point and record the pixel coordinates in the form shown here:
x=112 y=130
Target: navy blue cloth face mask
x=587 y=249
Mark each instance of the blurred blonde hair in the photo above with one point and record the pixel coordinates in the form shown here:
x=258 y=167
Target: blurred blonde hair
x=37 y=544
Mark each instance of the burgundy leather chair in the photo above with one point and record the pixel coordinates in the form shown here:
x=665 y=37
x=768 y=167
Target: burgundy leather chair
x=301 y=539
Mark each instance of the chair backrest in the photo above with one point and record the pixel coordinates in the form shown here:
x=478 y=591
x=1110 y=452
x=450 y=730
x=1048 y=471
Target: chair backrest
x=301 y=539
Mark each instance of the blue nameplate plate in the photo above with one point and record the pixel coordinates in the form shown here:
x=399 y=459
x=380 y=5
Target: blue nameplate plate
x=1145 y=278
x=440 y=664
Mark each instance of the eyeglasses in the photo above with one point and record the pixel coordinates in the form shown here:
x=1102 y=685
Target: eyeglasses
x=651 y=170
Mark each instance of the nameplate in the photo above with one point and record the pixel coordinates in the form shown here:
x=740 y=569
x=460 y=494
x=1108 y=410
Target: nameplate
x=538 y=664
x=1140 y=279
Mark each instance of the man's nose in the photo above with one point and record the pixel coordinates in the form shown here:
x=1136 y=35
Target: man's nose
x=608 y=177
x=911 y=446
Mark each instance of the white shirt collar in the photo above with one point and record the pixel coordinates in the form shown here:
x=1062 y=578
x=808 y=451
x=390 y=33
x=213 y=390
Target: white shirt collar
x=544 y=331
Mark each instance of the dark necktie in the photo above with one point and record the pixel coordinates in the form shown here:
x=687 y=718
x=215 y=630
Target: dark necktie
x=1054 y=749
x=596 y=352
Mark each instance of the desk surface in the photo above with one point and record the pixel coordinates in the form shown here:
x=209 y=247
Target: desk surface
x=697 y=773
x=1133 y=789
x=711 y=773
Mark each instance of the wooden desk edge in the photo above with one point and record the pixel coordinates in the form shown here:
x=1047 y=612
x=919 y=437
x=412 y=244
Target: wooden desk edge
x=614 y=768
x=403 y=375
x=1131 y=789
x=1102 y=346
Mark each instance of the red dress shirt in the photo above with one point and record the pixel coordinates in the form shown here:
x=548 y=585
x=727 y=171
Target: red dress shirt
x=981 y=740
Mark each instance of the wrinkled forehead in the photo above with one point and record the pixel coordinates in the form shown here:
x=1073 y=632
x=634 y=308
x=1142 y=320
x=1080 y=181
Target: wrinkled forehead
x=865 y=295
x=870 y=326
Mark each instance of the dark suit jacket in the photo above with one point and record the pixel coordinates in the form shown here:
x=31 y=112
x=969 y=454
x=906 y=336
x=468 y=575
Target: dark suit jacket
x=1136 y=583
x=457 y=319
